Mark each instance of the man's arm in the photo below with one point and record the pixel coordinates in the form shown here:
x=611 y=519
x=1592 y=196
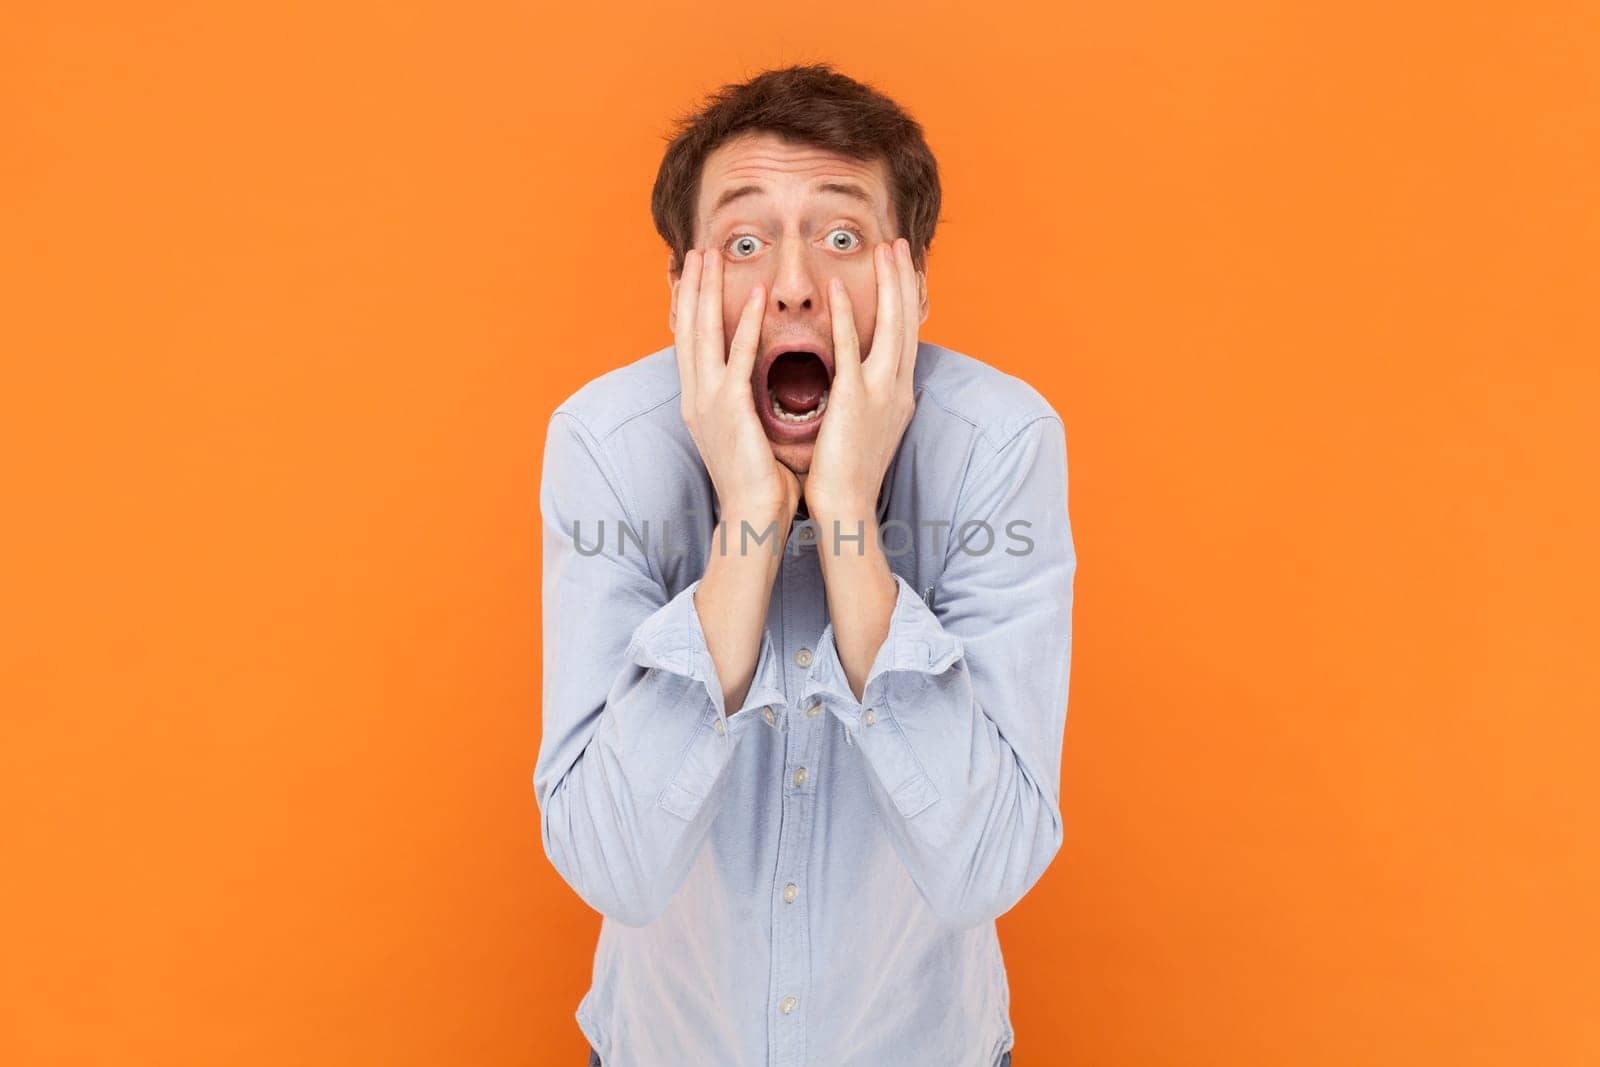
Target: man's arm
x=635 y=738
x=733 y=595
x=861 y=590
x=962 y=711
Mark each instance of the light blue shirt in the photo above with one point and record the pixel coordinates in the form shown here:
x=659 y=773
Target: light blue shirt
x=810 y=879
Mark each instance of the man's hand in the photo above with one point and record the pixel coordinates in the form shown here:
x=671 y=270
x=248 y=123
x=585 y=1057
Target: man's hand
x=719 y=409
x=717 y=402
x=870 y=402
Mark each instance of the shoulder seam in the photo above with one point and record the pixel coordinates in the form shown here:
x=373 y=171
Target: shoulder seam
x=640 y=413
x=620 y=484
x=1020 y=430
x=974 y=474
x=1000 y=448
x=952 y=412
x=982 y=431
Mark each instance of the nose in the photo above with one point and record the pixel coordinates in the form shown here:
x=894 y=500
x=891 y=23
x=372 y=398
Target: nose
x=794 y=285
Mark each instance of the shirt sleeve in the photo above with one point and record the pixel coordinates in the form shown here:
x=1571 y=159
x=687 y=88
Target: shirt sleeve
x=635 y=735
x=964 y=708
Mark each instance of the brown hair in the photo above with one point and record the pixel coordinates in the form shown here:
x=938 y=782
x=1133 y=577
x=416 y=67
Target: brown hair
x=814 y=105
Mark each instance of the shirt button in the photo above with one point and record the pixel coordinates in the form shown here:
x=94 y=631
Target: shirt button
x=811 y=712
x=870 y=717
x=808 y=534
x=788 y=1004
x=766 y=713
x=790 y=891
x=800 y=776
x=719 y=727
x=803 y=657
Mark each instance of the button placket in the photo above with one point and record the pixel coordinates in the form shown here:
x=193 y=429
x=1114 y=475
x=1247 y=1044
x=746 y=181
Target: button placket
x=803 y=767
x=790 y=935
x=800 y=620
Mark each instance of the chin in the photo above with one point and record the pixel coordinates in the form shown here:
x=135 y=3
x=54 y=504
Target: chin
x=797 y=457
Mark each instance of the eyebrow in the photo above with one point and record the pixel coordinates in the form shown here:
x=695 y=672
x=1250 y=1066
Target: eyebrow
x=855 y=192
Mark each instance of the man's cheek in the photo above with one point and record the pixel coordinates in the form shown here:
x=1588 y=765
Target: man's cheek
x=730 y=326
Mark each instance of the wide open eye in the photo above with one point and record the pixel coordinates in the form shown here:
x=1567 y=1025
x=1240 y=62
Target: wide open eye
x=743 y=241
x=846 y=247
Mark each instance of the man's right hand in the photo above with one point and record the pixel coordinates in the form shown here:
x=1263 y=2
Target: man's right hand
x=717 y=402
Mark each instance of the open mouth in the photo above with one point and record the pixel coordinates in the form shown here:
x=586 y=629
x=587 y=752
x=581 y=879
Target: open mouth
x=795 y=395
x=797 y=387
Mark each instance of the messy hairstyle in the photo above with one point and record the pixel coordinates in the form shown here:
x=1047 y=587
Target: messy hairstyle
x=813 y=105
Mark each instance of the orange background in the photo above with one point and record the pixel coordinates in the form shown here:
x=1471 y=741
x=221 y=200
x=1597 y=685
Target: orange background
x=288 y=296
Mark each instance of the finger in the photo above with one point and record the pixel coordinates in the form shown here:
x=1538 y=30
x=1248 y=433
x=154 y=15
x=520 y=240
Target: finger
x=713 y=357
x=885 y=355
x=846 y=345
x=909 y=312
x=683 y=308
x=742 y=360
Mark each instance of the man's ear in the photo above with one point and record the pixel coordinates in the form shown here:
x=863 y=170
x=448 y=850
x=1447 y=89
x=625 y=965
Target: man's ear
x=672 y=302
x=922 y=295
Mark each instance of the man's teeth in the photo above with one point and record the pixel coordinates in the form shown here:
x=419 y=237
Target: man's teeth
x=814 y=413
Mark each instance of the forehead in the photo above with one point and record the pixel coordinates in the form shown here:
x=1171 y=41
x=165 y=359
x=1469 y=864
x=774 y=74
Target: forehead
x=789 y=171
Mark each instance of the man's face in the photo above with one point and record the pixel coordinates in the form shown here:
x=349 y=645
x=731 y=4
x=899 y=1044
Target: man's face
x=784 y=215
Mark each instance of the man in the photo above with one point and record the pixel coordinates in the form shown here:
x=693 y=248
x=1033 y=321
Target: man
x=801 y=771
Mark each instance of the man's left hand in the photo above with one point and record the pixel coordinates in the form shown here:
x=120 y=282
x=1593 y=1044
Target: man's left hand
x=870 y=402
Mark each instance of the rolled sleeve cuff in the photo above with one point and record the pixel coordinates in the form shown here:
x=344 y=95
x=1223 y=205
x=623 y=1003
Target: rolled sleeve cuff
x=672 y=639
x=916 y=642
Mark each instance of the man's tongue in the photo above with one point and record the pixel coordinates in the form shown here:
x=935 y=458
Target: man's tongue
x=799 y=381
